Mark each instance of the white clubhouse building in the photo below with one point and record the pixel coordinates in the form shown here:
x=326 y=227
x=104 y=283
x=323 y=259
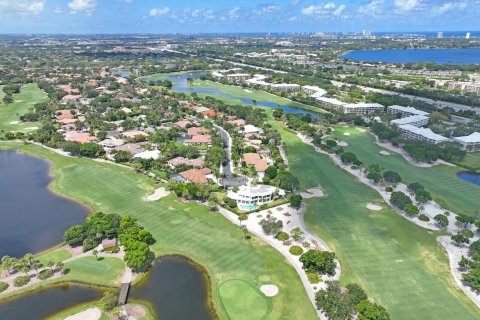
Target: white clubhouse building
x=247 y=196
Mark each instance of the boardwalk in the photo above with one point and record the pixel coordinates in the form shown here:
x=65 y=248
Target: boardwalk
x=122 y=297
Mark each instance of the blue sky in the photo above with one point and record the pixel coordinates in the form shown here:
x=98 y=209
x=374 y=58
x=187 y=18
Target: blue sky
x=166 y=16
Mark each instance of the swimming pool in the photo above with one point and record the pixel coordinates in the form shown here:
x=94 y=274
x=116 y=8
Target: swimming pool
x=248 y=207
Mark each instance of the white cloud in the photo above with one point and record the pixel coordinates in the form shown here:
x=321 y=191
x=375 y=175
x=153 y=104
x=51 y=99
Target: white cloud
x=22 y=7
x=267 y=9
x=234 y=13
x=206 y=14
x=158 y=12
x=292 y=19
x=58 y=10
x=449 y=6
x=406 y=5
x=371 y=8
x=339 y=10
x=323 y=9
x=126 y=1
x=87 y=6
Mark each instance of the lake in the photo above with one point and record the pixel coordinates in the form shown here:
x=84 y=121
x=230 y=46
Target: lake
x=175 y=288
x=32 y=217
x=180 y=84
x=470 y=177
x=440 y=56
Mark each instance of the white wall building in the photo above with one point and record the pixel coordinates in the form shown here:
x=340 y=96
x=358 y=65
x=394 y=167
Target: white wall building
x=331 y=102
x=313 y=90
x=470 y=143
x=406 y=111
x=285 y=87
x=254 y=195
x=363 y=108
x=417 y=121
x=411 y=132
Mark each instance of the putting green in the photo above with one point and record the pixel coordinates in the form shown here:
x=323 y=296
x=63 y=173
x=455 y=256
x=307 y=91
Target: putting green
x=441 y=180
x=90 y=270
x=238 y=296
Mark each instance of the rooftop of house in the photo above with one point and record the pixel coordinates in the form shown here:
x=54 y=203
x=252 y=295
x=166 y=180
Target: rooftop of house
x=205 y=138
x=197 y=162
x=196 y=175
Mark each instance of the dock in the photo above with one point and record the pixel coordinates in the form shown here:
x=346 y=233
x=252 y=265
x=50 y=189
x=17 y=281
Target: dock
x=123 y=296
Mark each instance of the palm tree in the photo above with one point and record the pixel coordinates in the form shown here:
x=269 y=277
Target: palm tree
x=95 y=253
x=7 y=263
x=51 y=264
x=60 y=265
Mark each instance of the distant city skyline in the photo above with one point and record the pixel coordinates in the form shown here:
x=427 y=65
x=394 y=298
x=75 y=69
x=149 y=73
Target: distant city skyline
x=202 y=16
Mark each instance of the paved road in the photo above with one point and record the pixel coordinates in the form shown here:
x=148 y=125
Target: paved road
x=227 y=169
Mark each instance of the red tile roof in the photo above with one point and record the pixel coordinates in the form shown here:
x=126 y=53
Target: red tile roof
x=196 y=175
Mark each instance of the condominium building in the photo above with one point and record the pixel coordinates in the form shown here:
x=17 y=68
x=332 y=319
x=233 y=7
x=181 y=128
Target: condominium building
x=238 y=77
x=363 y=108
x=406 y=111
x=313 y=90
x=411 y=132
x=417 y=121
x=464 y=86
x=285 y=87
x=331 y=102
x=470 y=143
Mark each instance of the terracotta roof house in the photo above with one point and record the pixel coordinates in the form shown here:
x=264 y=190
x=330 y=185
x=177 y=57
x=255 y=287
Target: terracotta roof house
x=82 y=137
x=199 y=140
x=68 y=88
x=182 y=123
x=192 y=107
x=134 y=133
x=237 y=122
x=209 y=113
x=65 y=114
x=132 y=148
x=193 y=131
x=71 y=97
x=254 y=159
x=196 y=175
x=175 y=162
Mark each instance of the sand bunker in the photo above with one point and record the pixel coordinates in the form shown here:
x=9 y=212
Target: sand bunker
x=346 y=134
x=246 y=90
x=374 y=207
x=345 y=126
x=312 y=193
x=342 y=144
x=136 y=311
x=158 y=194
x=270 y=290
x=361 y=130
x=385 y=153
x=15 y=122
x=31 y=128
x=89 y=314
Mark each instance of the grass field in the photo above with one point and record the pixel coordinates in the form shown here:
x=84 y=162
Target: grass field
x=441 y=181
x=56 y=255
x=251 y=93
x=90 y=270
x=28 y=96
x=183 y=228
x=398 y=263
x=472 y=161
x=239 y=295
x=77 y=309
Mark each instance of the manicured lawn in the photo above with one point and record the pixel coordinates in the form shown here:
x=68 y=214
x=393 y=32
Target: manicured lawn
x=399 y=264
x=441 y=181
x=251 y=93
x=106 y=271
x=55 y=256
x=472 y=160
x=239 y=295
x=182 y=228
x=28 y=96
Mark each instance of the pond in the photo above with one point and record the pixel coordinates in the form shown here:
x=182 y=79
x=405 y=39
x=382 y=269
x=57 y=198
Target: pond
x=43 y=303
x=440 y=56
x=470 y=177
x=32 y=217
x=175 y=288
x=180 y=84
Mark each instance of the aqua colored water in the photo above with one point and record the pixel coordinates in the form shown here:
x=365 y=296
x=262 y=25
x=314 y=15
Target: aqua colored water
x=470 y=177
x=440 y=56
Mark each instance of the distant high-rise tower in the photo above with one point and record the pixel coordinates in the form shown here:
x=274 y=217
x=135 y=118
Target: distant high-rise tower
x=439 y=35
x=467 y=36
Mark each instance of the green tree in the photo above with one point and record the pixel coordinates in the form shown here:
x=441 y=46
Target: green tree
x=108 y=301
x=374 y=176
x=371 y=311
x=459 y=239
x=441 y=220
x=90 y=149
x=322 y=262
x=270 y=225
x=296 y=201
x=392 y=177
